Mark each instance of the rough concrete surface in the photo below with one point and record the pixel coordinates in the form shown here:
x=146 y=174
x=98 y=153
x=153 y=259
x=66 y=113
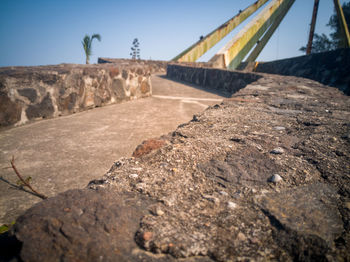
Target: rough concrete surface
x=263 y=176
x=67 y=152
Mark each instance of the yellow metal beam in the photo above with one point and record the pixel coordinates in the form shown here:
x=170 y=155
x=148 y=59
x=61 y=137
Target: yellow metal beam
x=232 y=54
x=262 y=42
x=202 y=46
x=342 y=22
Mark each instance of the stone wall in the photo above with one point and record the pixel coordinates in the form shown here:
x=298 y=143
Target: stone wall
x=155 y=66
x=329 y=68
x=219 y=79
x=28 y=93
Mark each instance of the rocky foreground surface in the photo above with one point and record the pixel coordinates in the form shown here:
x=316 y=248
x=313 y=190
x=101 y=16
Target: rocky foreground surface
x=263 y=176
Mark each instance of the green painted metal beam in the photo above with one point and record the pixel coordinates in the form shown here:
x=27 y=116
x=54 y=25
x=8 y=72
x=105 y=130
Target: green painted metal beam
x=282 y=11
x=231 y=55
x=202 y=46
x=342 y=22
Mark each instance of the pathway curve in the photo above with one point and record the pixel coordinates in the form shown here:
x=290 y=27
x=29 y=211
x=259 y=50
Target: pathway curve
x=68 y=152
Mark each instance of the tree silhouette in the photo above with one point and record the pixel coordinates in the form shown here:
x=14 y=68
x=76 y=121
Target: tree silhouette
x=87 y=41
x=135 y=50
x=323 y=43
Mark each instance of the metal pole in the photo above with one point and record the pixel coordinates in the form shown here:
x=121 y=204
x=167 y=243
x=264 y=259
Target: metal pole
x=312 y=28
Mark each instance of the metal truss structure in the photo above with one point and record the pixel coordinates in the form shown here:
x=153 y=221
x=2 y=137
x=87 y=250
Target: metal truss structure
x=255 y=34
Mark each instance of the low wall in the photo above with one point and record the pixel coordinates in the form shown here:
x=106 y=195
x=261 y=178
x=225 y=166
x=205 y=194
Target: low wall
x=155 y=66
x=28 y=93
x=219 y=79
x=329 y=68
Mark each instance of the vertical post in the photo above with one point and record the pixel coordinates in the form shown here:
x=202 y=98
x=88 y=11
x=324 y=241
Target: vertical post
x=342 y=22
x=312 y=27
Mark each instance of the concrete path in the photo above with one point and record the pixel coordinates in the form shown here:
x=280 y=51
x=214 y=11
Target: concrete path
x=68 y=152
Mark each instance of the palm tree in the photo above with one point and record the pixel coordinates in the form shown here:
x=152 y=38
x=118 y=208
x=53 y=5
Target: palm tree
x=87 y=45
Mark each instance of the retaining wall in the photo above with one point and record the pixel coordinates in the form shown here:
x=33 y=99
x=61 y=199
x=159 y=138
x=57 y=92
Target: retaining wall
x=218 y=79
x=329 y=68
x=28 y=93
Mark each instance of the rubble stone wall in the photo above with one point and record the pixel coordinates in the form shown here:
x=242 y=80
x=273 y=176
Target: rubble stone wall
x=155 y=66
x=329 y=68
x=28 y=93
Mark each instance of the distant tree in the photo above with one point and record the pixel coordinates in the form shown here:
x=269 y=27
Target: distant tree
x=333 y=23
x=323 y=43
x=320 y=43
x=135 y=50
x=87 y=41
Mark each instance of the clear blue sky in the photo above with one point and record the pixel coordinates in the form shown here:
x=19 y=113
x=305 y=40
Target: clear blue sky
x=41 y=32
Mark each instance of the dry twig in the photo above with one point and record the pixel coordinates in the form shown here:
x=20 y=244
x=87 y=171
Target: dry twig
x=25 y=183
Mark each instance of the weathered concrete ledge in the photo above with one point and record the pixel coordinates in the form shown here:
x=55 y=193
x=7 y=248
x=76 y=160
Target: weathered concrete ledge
x=264 y=176
x=329 y=68
x=28 y=93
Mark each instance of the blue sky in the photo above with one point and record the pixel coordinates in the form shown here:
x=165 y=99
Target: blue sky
x=41 y=32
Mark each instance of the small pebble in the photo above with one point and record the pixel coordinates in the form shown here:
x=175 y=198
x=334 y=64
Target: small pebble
x=195 y=118
x=241 y=237
x=231 y=205
x=223 y=193
x=275 y=178
x=236 y=139
x=147 y=236
x=211 y=198
x=254 y=240
x=133 y=176
x=277 y=151
x=347 y=205
x=159 y=212
x=140 y=186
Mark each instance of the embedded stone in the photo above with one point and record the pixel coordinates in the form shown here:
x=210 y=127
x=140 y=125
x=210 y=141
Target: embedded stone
x=82 y=225
x=148 y=146
x=275 y=178
x=125 y=74
x=10 y=112
x=231 y=205
x=305 y=218
x=89 y=99
x=28 y=93
x=277 y=151
x=68 y=102
x=118 y=87
x=139 y=71
x=245 y=168
x=113 y=71
x=43 y=109
x=145 y=88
